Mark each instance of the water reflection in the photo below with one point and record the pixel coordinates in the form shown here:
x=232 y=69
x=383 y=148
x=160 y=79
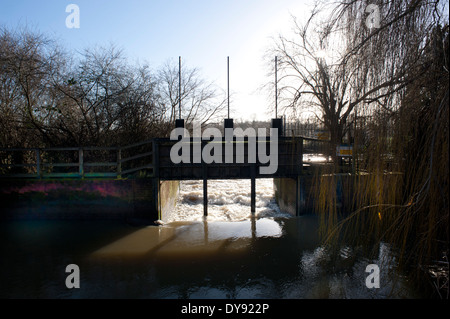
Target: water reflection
x=255 y=258
x=191 y=238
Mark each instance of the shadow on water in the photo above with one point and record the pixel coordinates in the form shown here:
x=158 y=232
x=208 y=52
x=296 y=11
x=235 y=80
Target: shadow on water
x=253 y=258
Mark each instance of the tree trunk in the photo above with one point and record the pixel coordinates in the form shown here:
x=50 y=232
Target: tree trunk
x=336 y=139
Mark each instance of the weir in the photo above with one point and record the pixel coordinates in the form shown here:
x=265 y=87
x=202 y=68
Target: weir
x=153 y=166
x=289 y=162
x=145 y=175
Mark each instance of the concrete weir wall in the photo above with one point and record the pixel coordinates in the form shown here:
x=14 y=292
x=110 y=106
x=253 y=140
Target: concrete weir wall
x=168 y=194
x=285 y=194
x=87 y=199
x=286 y=188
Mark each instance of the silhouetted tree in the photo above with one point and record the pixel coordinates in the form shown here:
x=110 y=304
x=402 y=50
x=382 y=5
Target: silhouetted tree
x=201 y=101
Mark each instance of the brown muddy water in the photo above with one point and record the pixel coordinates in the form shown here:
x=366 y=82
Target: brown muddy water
x=270 y=255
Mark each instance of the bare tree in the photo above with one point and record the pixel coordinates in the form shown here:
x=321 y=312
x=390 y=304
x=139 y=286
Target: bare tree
x=338 y=63
x=201 y=101
x=310 y=78
x=401 y=81
x=106 y=100
x=49 y=98
x=28 y=62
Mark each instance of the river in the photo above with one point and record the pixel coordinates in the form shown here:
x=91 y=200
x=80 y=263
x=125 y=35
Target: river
x=230 y=254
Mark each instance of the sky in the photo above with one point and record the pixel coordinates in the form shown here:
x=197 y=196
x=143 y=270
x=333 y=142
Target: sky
x=203 y=32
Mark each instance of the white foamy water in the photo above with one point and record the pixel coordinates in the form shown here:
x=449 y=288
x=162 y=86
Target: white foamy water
x=315 y=158
x=228 y=200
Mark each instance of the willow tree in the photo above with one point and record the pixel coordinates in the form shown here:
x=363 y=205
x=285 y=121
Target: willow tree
x=333 y=64
x=399 y=72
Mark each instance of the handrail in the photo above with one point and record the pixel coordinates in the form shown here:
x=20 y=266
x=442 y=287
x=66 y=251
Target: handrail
x=33 y=165
x=137 y=144
x=111 y=162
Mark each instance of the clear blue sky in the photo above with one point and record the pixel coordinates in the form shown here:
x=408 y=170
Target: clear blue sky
x=203 y=32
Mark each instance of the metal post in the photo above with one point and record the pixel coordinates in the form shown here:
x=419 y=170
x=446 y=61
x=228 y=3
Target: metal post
x=253 y=222
x=179 y=87
x=299 y=180
x=179 y=123
x=253 y=188
x=205 y=195
x=228 y=84
x=278 y=124
x=205 y=184
x=276 y=87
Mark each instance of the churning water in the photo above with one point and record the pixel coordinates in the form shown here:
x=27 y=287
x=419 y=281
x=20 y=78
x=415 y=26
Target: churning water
x=228 y=200
x=231 y=254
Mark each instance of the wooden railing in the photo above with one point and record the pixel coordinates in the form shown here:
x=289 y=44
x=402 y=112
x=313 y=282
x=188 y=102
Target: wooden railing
x=78 y=162
x=145 y=159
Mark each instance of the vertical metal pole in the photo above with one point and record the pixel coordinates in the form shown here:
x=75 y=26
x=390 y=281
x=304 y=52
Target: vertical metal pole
x=205 y=195
x=205 y=184
x=253 y=222
x=228 y=84
x=299 y=179
x=276 y=87
x=179 y=87
x=253 y=189
x=300 y=151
